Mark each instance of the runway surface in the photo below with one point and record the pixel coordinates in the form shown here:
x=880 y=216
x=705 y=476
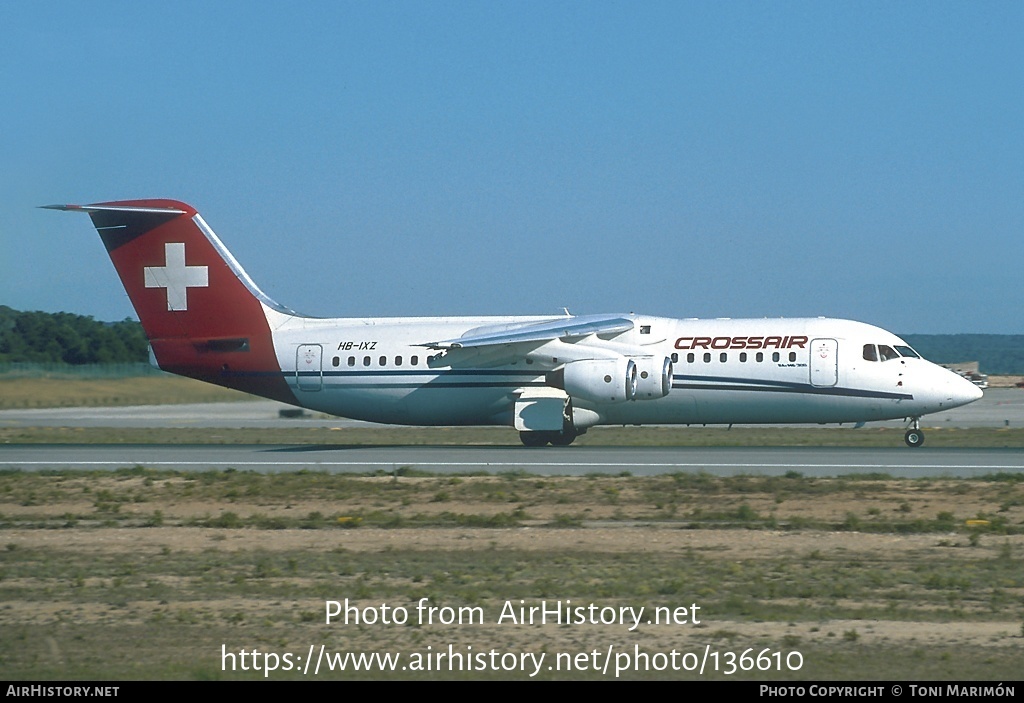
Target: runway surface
x=900 y=461
x=999 y=408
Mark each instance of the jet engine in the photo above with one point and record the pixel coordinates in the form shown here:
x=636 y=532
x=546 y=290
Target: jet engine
x=599 y=380
x=654 y=377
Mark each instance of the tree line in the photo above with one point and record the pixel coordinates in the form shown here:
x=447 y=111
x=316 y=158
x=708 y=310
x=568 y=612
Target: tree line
x=61 y=337
x=995 y=353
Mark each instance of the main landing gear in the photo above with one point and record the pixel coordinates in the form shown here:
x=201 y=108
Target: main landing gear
x=915 y=435
x=540 y=439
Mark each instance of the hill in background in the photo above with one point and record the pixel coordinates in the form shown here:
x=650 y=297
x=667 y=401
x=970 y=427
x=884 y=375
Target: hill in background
x=995 y=353
x=43 y=337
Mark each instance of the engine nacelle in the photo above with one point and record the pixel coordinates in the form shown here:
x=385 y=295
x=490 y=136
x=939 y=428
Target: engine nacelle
x=654 y=377
x=597 y=380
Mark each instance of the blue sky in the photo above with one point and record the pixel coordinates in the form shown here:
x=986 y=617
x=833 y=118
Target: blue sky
x=709 y=159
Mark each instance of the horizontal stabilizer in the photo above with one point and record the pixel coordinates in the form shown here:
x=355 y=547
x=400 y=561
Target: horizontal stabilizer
x=114 y=208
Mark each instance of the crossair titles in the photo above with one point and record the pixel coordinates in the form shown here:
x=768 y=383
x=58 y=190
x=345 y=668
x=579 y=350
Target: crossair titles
x=784 y=342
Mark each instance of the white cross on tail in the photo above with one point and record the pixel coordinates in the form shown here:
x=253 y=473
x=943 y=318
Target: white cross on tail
x=176 y=277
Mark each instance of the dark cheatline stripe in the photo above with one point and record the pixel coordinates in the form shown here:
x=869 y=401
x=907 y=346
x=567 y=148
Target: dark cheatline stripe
x=724 y=383
x=439 y=379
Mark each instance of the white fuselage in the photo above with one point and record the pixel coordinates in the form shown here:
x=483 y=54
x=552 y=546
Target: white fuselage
x=725 y=371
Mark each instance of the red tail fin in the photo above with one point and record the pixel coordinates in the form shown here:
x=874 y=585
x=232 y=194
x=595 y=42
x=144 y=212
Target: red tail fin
x=203 y=315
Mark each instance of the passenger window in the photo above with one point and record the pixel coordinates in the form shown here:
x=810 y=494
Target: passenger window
x=775 y=356
x=383 y=361
x=675 y=358
x=759 y=357
x=690 y=358
x=707 y=358
x=792 y=356
x=743 y=356
x=870 y=354
x=398 y=361
x=723 y=357
x=415 y=361
x=336 y=361
x=366 y=361
x=351 y=361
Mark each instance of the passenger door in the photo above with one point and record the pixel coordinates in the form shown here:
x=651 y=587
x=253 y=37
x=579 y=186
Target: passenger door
x=824 y=362
x=309 y=375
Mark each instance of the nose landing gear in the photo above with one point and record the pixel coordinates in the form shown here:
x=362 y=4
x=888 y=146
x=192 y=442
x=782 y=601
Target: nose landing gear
x=915 y=435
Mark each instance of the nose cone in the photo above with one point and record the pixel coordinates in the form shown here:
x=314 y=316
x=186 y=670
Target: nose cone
x=938 y=389
x=972 y=392
x=960 y=391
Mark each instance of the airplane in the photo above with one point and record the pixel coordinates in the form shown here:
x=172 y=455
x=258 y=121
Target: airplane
x=550 y=377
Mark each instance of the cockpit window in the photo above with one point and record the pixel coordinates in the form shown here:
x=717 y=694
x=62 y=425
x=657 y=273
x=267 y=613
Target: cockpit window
x=886 y=352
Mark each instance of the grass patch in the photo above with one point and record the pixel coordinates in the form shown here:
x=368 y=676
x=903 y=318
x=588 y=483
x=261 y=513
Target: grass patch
x=313 y=500
x=162 y=389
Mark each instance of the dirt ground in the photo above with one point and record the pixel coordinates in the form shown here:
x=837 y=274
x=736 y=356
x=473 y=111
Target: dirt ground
x=87 y=568
x=727 y=545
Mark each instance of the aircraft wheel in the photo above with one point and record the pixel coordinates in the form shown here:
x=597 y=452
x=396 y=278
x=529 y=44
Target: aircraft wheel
x=563 y=439
x=534 y=439
x=914 y=438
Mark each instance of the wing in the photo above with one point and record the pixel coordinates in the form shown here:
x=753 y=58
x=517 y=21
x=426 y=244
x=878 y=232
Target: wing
x=563 y=328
